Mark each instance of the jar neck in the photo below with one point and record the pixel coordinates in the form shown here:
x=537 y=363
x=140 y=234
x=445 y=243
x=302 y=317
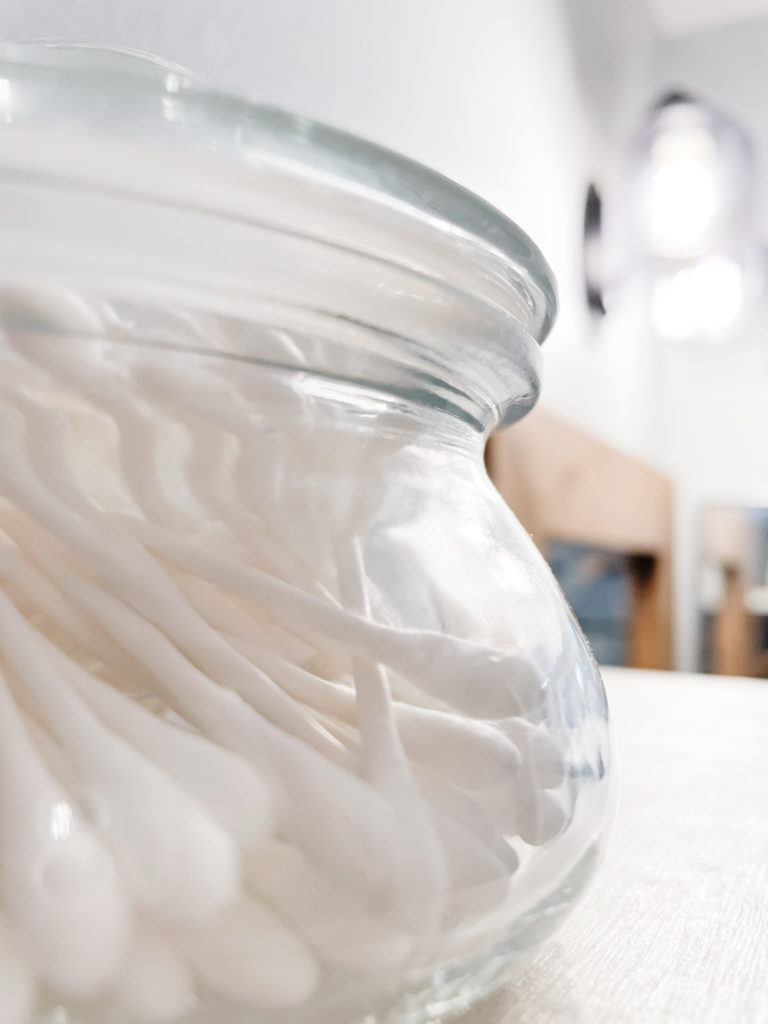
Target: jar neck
x=288 y=383
x=336 y=364
x=401 y=412
x=357 y=316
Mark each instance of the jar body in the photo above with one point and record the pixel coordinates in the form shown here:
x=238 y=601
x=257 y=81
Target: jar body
x=299 y=725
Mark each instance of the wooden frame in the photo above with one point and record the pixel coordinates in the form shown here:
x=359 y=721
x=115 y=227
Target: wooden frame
x=566 y=486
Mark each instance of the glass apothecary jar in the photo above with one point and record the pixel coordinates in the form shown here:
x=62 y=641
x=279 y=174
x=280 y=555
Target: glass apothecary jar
x=295 y=726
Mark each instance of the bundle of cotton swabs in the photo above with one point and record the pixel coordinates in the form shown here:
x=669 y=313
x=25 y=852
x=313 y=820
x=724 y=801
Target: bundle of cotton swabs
x=222 y=771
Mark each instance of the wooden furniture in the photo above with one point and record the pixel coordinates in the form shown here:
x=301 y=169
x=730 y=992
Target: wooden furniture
x=674 y=929
x=727 y=547
x=566 y=486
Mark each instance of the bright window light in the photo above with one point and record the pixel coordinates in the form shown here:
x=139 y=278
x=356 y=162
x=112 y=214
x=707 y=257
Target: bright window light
x=704 y=299
x=683 y=194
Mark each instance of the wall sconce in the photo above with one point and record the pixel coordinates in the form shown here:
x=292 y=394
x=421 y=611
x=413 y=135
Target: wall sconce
x=690 y=173
x=678 y=220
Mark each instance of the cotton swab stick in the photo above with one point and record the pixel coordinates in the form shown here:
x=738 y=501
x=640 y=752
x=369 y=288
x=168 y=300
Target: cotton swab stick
x=480 y=681
x=421 y=879
x=208 y=475
x=140 y=437
x=36 y=588
x=57 y=878
x=232 y=620
x=536 y=815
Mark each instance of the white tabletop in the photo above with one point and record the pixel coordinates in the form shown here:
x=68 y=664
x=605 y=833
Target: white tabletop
x=674 y=929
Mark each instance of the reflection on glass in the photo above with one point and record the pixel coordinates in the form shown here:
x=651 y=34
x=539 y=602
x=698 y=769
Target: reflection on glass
x=598 y=588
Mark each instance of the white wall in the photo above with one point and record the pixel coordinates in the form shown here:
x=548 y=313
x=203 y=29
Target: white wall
x=484 y=91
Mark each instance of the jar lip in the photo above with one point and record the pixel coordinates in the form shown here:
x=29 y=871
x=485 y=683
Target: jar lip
x=64 y=104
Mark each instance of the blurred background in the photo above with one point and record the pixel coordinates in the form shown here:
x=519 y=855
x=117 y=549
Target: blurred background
x=630 y=140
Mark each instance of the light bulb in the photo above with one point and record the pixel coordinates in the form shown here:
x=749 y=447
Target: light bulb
x=683 y=195
x=701 y=300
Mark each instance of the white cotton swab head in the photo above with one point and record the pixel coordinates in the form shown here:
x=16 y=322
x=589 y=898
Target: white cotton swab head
x=479 y=879
x=173 y=855
x=247 y=953
x=472 y=753
x=156 y=984
x=72 y=909
x=453 y=803
x=229 y=789
x=223 y=783
x=536 y=815
x=481 y=682
x=17 y=982
x=543 y=758
x=338 y=925
x=57 y=878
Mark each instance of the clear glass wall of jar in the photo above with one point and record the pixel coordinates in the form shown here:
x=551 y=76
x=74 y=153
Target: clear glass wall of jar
x=295 y=726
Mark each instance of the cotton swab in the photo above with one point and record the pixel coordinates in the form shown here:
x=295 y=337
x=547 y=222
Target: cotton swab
x=17 y=982
x=539 y=750
x=224 y=784
x=156 y=983
x=338 y=925
x=247 y=953
x=57 y=879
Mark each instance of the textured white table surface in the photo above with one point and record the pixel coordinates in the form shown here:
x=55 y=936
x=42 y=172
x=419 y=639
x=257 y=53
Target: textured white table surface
x=674 y=929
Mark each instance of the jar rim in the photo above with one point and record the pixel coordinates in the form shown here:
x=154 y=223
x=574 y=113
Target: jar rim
x=120 y=95
x=81 y=119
